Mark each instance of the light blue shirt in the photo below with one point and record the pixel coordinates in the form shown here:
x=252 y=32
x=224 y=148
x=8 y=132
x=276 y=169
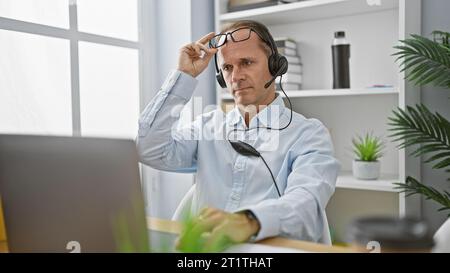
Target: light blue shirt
x=300 y=157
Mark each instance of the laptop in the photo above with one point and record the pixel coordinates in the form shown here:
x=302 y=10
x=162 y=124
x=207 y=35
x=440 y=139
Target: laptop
x=67 y=194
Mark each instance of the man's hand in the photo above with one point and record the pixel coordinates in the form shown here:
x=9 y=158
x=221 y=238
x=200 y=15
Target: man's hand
x=194 y=57
x=217 y=229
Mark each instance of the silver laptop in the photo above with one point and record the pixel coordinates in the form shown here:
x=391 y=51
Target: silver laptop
x=64 y=194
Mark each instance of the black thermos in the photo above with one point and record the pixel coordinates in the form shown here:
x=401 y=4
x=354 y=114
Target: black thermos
x=341 y=61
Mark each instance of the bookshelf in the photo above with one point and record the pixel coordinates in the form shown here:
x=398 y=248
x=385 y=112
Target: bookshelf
x=373 y=27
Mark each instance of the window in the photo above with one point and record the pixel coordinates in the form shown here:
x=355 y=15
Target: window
x=79 y=78
x=46 y=12
x=35 y=95
x=114 y=18
x=109 y=90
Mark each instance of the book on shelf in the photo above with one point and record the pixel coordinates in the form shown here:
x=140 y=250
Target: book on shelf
x=290 y=1
x=285 y=42
x=245 y=2
x=286 y=51
x=295 y=68
x=239 y=5
x=293 y=60
x=288 y=86
x=291 y=78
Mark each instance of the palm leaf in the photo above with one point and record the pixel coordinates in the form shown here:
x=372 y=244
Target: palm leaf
x=427 y=61
x=418 y=126
x=412 y=187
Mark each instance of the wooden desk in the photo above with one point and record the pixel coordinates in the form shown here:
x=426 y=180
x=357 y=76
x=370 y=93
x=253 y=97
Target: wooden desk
x=3 y=247
x=175 y=228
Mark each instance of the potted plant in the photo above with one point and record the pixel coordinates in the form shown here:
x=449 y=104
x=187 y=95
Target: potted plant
x=427 y=62
x=368 y=150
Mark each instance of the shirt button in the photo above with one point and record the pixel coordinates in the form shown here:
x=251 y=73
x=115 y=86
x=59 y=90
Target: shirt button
x=235 y=197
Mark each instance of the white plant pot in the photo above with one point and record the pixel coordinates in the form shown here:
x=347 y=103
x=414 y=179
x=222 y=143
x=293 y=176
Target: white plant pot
x=366 y=170
x=442 y=238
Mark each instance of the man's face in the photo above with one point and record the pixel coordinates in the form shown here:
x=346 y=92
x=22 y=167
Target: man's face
x=245 y=69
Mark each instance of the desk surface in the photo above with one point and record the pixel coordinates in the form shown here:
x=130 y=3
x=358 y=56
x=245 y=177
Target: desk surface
x=171 y=227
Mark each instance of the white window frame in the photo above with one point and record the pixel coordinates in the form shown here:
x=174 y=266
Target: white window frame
x=74 y=36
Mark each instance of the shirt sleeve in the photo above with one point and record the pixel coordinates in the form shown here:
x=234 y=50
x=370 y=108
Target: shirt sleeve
x=310 y=185
x=160 y=142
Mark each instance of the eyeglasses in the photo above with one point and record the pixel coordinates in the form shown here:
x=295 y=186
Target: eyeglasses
x=238 y=35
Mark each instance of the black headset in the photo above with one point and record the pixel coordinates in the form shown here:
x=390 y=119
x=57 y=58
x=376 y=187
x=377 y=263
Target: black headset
x=278 y=64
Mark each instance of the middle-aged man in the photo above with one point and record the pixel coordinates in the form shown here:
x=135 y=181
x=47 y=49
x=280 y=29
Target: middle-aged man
x=236 y=197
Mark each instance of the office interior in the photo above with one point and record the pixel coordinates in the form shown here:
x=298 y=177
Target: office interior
x=88 y=69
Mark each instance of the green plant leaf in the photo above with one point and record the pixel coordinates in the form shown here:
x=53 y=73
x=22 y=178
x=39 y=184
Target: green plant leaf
x=425 y=61
x=368 y=148
x=418 y=126
x=412 y=187
x=193 y=240
x=442 y=164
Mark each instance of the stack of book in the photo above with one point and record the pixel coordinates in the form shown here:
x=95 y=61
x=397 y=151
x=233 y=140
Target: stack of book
x=290 y=1
x=238 y=5
x=292 y=80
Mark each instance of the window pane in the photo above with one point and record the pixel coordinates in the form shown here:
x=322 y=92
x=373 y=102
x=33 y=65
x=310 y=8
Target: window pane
x=35 y=94
x=109 y=95
x=115 y=18
x=46 y=12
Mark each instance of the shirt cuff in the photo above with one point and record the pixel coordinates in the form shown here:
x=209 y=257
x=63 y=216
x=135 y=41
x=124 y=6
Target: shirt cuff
x=180 y=84
x=269 y=221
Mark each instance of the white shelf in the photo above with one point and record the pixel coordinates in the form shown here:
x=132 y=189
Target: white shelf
x=331 y=93
x=308 y=10
x=384 y=183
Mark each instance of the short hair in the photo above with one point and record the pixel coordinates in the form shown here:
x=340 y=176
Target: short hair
x=260 y=28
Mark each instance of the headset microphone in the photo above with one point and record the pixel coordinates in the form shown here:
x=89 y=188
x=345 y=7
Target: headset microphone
x=270 y=82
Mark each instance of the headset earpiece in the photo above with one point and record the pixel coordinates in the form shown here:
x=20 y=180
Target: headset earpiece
x=278 y=64
x=273 y=64
x=283 y=64
x=219 y=75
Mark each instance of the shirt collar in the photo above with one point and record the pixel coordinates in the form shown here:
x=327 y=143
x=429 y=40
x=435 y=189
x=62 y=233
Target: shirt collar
x=268 y=117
